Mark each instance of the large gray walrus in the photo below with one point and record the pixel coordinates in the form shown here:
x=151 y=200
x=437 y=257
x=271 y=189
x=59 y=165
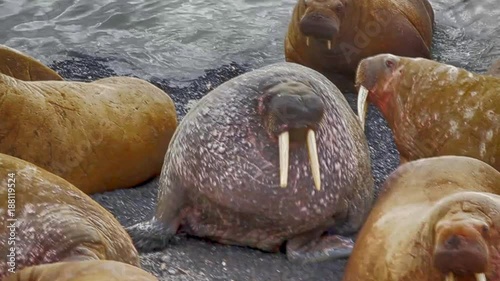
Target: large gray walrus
x=275 y=155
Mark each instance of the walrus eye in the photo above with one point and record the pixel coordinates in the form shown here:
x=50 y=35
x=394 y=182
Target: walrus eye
x=389 y=63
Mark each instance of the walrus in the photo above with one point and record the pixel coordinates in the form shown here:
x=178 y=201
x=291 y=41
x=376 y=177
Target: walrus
x=102 y=135
x=433 y=108
x=82 y=271
x=46 y=219
x=271 y=156
x=332 y=36
x=436 y=218
x=23 y=67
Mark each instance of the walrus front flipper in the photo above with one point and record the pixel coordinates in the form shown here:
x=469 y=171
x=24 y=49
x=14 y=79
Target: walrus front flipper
x=323 y=248
x=150 y=235
x=23 y=67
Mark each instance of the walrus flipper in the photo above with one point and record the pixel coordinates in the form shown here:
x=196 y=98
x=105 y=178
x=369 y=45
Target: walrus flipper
x=150 y=235
x=326 y=247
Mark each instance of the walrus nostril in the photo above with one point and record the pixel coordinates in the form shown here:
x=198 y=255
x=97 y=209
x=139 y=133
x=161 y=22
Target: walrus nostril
x=319 y=26
x=453 y=242
x=461 y=254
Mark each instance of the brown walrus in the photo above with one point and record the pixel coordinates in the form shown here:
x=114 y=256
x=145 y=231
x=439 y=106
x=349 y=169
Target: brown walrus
x=332 y=36
x=108 y=134
x=45 y=219
x=436 y=219
x=432 y=108
x=82 y=271
x=274 y=155
x=23 y=67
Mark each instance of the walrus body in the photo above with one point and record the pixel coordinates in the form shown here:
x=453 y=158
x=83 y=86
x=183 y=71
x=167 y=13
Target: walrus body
x=432 y=108
x=436 y=219
x=333 y=36
x=23 y=67
x=108 y=134
x=221 y=177
x=82 y=271
x=45 y=219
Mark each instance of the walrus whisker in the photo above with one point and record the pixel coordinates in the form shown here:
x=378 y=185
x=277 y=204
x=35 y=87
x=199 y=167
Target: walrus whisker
x=450 y=277
x=480 y=277
x=313 y=158
x=329 y=44
x=307 y=41
x=362 y=105
x=284 y=144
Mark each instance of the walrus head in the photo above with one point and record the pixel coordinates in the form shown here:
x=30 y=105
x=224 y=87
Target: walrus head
x=375 y=79
x=291 y=112
x=465 y=239
x=321 y=20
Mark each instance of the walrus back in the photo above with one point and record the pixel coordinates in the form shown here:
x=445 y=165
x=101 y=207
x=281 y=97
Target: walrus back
x=21 y=66
x=53 y=216
x=421 y=14
x=75 y=125
x=464 y=103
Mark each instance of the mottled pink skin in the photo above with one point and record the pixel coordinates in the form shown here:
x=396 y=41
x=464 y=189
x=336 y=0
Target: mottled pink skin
x=435 y=109
x=221 y=174
x=55 y=221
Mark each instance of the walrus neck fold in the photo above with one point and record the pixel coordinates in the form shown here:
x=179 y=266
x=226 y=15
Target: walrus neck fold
x=6 y=80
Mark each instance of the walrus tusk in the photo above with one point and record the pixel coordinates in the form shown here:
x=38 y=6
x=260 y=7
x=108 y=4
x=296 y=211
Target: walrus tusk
x=480 y=277
x=329 y=44
x=450 y=277
x=284 y=143
x=307 y=41
x=313 y=158
x=362 y=105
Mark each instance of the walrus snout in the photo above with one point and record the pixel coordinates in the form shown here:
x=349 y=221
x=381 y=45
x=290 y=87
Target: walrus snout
x=461 y=249
x=319 y=26
x=292 y=112
x=370 y=73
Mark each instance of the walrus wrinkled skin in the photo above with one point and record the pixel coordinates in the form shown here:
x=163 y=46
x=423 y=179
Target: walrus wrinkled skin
x=433 y=108
x=435 y=219
x=274 y=155
x=332 y=36
x=82 y=271
x=54 y=221
x=23 y=67
x=108 y=134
